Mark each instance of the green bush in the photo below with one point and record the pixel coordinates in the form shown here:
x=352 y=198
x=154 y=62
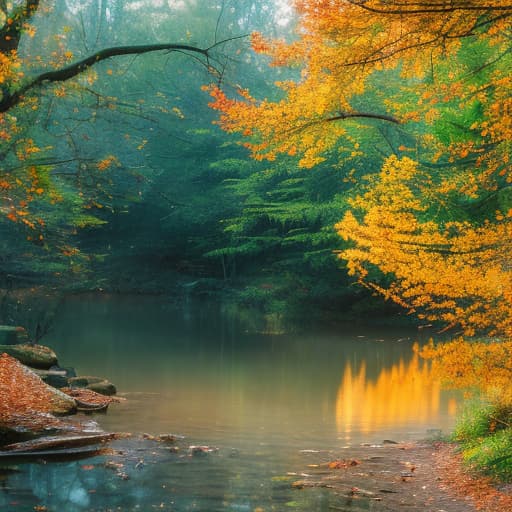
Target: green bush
x=485 y=434
x=474 y=423
x=492 y=455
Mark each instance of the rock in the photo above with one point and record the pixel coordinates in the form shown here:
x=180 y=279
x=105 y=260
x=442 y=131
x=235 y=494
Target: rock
x=24 y=393
x=104 y=387
x=35 y=356
x=88 y=400
x=12 y=335
x=56 y=376
x=55 y=379
x=97 y=384
x=201 y=451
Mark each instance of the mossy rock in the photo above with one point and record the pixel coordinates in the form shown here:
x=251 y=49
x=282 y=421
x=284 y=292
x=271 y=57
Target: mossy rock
x=35 y=356
x=97 y=384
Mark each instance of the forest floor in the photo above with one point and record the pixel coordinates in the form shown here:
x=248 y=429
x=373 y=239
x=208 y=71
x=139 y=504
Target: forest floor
x=412 y=477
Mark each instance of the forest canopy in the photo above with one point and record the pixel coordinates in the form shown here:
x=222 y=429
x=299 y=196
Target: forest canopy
x=413 y=100
x=69 y=74
x=427 y=86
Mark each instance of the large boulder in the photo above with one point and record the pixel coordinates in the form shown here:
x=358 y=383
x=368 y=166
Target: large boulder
x=35 y=356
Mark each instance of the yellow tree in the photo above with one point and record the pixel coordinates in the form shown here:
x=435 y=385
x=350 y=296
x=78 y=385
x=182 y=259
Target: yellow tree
x=456 y=272
x=339 y=48
x=436 y=221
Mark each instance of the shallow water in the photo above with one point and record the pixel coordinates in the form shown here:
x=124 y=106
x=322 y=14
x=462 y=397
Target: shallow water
x=268 y=404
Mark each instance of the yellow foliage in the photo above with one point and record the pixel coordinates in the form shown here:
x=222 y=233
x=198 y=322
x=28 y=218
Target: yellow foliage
x=483 y=366
x=340 y=46
x=107 y=162
x=452 y=272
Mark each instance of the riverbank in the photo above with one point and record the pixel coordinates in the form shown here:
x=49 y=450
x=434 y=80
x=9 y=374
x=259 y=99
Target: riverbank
x=411 y=477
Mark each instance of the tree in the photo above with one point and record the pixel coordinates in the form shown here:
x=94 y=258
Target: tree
x=49 y=184
x=429 y=226
x=339 y=49
x=439 y=73
x=452 y=271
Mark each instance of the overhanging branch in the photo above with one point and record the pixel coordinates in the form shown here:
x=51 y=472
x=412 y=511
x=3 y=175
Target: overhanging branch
x=369 y=115
x=11 y=99
x=397 y=8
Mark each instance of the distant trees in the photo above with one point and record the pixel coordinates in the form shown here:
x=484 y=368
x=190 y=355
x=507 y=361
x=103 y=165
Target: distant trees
x=58 y=166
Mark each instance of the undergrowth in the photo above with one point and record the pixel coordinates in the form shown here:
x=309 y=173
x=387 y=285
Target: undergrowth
x=484 y=432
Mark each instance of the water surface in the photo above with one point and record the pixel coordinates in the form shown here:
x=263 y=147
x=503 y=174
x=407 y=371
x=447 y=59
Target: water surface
x=268 y=404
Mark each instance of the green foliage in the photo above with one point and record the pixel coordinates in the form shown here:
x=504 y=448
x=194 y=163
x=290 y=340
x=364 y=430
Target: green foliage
x=474 y=423
x=454 y=124
x=286 y=216
x=485 y=434
x=493 y=455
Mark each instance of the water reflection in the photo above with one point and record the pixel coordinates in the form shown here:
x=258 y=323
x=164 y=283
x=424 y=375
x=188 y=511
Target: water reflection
x=400 y=394
x=206 y=374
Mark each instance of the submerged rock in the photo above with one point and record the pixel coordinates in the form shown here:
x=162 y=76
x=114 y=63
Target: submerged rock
x=35 y=356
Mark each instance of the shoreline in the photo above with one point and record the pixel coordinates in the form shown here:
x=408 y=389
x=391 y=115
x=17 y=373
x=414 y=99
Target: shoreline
x=410 y=477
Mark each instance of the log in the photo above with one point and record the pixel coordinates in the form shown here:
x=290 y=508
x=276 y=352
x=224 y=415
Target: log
x=58 y=453
x=58 y=442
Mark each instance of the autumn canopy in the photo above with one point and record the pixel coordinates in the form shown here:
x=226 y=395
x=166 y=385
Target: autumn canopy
x=423 y=88
x=411 y=99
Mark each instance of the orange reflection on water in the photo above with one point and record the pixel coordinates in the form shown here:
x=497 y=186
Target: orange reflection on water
x=400 y=394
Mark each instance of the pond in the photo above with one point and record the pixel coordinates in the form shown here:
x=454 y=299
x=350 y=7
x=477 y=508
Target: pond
x=265 y=405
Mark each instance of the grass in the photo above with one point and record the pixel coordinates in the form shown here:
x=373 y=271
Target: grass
x=484 y=432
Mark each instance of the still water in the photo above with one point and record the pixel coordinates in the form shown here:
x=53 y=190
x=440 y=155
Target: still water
x=267 y=405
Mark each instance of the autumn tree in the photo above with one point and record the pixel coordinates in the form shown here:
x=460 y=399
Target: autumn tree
x=55 y=179
x=439 y=72
x=429 y=84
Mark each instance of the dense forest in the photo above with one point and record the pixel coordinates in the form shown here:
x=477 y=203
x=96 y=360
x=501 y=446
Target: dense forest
x=314 y=157
x=118 y=177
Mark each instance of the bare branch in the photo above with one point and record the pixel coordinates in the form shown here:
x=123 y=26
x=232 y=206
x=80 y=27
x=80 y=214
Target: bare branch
x=369 y=115
x=11 y=99
x=428 y=7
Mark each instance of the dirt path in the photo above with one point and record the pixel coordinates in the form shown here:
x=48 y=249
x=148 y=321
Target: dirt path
x=403 y=477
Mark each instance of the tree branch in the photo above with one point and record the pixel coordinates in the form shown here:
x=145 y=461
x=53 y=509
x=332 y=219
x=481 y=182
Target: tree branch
x=369 y=115
x=10 y=100
x=426 y=7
